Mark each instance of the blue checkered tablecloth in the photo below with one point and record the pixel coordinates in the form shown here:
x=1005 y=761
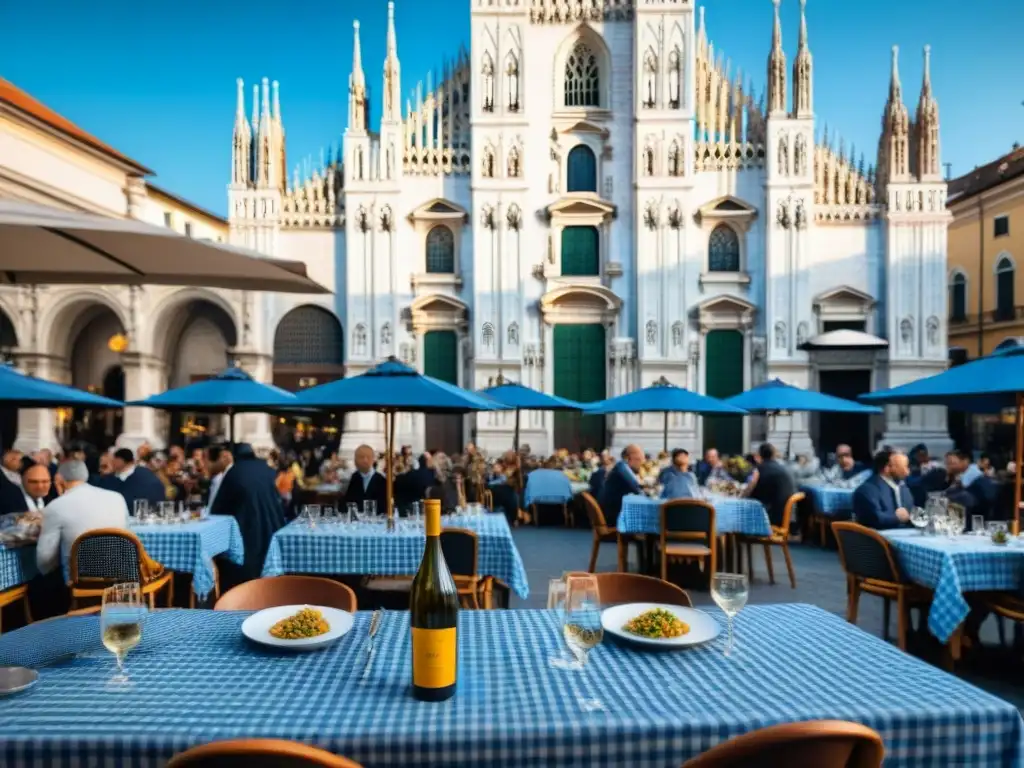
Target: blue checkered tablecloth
x=372 y=550
x=192 y=546
x=830 y=501
x=952 y=567
x=547 y=486
x=17 y=566
x=195 y=679
x=640 y=514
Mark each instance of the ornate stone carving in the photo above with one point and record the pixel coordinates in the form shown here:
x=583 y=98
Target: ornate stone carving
x=651 y=333
x=800 y=155
x=678 y=331
x=906 y=330
x=515 y=165
x=487 y=335
x=783 y=155
x=675 y=78
x=363 y=219
x=555 y=175
x=801 y=334
x=513 y=334
x=385 y=335
x=533 y=355
x=649 y=88
x=648 y=160
x=575 y=11
x=932 y=327
x=487 y=216
x=782 y=214
x=359 y=339
x=799 y=215
x=512 y=82
x=781 y=341
x=514 y=217
x=487 y=83
x=676 y=161
x=651 y=218
x=675 y=216
x=487 y=167
x=759 y=348
x=386 y=219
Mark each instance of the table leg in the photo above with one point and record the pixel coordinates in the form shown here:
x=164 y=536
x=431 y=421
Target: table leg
x=623 y=548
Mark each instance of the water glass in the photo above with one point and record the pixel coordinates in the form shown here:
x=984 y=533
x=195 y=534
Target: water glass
x=121 y=622
x=978 y=525
x=165 y=510
x=581 y=627
x=730 y=591
x=352 y=512
x=556 y=595
x=141 y=510
x=919 y=518
x=328 y=513
x=370 y=510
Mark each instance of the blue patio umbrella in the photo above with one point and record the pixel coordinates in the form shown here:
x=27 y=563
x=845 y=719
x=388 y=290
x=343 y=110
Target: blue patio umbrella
x=986 y=385
x=663 y=397
x=231 y=391
x=393 y=387
x=776 y=396
x=522 y=398
x=21 y=390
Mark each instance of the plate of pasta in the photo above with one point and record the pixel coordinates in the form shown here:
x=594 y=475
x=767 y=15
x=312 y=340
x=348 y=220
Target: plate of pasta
x=658 y=625
x=298 y=627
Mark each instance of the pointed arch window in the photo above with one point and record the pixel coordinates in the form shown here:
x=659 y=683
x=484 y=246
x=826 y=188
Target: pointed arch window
x=582 y=77
x=723 y=250
x=440 y=251
x=958 y=298
x=1005 y=274
x=581 y=170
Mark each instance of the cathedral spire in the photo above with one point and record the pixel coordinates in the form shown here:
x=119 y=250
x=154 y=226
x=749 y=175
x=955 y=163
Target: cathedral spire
x=356 y=88
x=281 y=169
x=702 y=33
x=392 y=107
x=927 y=126
x=241 y=142
x=777 y=69
x=894 y=146
x=265 y=163
x=803 y=80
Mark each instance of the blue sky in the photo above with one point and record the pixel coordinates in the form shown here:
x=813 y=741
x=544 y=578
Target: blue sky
x=157 y=79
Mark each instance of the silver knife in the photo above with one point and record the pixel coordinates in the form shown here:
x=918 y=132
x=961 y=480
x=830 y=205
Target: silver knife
x=375 y=622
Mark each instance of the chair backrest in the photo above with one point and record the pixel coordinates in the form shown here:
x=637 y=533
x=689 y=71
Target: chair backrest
x=460 y=549
x=687 y=516
x=865 y=552
x=107 y=556
x=594 y=513
x=815 y=744
x=258 y=753
x=273 y=591
x=787 y=511
x=617 y=588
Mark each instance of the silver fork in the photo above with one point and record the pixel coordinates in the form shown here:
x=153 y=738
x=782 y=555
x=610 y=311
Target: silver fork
x=375 y=621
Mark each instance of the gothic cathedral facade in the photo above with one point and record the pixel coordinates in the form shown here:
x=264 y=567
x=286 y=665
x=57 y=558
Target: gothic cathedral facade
x=588 y=201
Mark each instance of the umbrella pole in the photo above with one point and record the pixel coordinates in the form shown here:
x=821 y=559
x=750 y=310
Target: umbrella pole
x=1018 y=456
x=231 y=427
x=664 y=436
x=515 y=436
x=389 y=426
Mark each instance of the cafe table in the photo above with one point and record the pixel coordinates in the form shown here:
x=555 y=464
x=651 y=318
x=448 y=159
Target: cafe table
x=194 y=678
x=17 y=565
x=831 y=501
x=370 y=549
x=190 y=547
x=954 y=566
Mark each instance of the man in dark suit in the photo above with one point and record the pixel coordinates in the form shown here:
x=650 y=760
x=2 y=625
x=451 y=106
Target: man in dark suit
x=133 y=481
x=621 y=481
x=366 y=483
x=12 y=495
x=247 y=492
x=883 y=500
x=415 y=484
x=774 y=484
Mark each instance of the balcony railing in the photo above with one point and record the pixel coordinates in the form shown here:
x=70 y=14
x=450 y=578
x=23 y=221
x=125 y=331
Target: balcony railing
x=999 y=315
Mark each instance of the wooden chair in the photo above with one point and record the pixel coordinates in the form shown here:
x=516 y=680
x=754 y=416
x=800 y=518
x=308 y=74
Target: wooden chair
x=814 y=744
x=273 y=591
x=108 y=556
x=617 y=588
x=779 y=538
x=603 y=533
x=871 y=566
x=461 y=550
x=258 y=753
x=688 y=533
x=13 y=595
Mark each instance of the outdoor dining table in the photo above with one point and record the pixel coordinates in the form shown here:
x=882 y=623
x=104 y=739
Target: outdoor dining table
x=371 y=549
x=17 y=566
x=194 y=678
x=641 y=515
x=953 y=567
x=191 y=546
x=831 y=501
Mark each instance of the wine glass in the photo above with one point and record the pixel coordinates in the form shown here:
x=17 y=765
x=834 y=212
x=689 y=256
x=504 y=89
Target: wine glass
x=370 y=510
x=919 y=518
x=581 y=628
x=121 y=622
x=978 y=525
x=729 y=591
x=352 y=512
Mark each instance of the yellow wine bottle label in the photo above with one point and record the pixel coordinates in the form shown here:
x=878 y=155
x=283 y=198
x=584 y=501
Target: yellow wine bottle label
x=432 y=523
x=434 y=657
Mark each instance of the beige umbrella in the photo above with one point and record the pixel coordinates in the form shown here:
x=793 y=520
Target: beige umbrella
x=40 y=244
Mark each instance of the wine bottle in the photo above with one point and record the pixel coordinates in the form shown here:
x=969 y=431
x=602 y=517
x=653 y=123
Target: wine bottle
x=434 y=615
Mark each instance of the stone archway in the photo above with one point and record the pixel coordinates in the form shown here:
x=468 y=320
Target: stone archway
x=95 y=364
x=308 y=348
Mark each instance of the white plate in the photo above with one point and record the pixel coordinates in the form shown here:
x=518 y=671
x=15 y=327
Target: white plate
x=16 y=679
x=702 y=626
x=257 y=627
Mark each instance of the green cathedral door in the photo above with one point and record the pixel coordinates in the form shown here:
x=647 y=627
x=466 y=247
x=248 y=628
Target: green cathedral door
x=579 y=375
x=441 y=361
x=723 y=363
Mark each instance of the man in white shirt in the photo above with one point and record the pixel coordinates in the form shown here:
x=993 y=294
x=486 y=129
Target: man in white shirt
x=219 y=461
x=82 y=508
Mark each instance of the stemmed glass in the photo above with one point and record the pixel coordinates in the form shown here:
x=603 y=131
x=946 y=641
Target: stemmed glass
x=581 y=627
x=121 y=623
x=370 y=510
x=730 y=591
x=919 y=518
